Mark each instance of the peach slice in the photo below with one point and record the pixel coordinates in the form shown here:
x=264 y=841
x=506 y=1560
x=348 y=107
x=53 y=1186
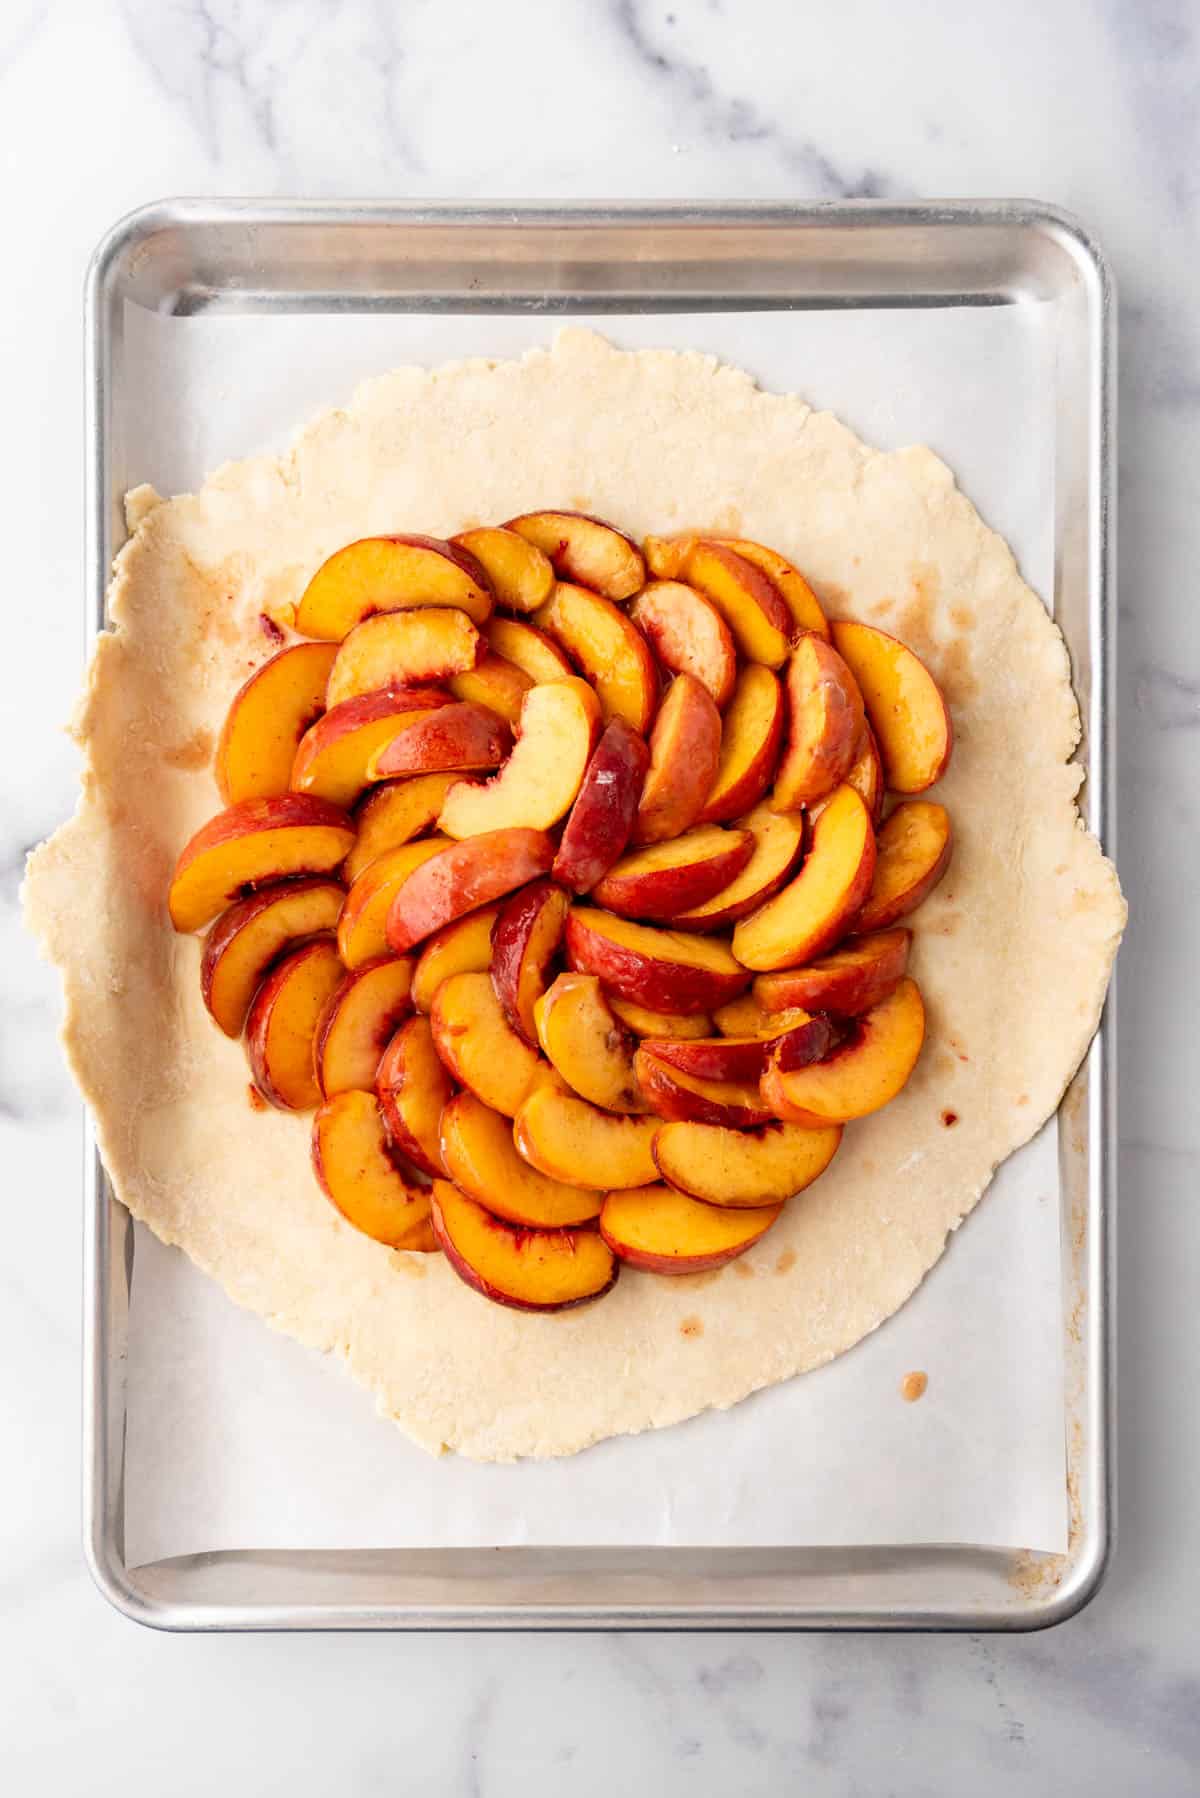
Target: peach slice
x=602 y=816
x=662 y=969
x=744 y=1016
x=585 y=549
x=479 y=1046
x=750 y=738
x=538 y=783
x=332 y=757
x=463 y=947
x=362 y=928
x=393 y=814
x=462 y=877
x=413 y=1089
x=674 y=1094
x=795 y=591
x=663 y=880
x=665 y=1232
x=357 y=1170
x=357 y=1024
x=685 y=747
x=866 y=1072
x=825 y=725
x=383 y=574
x=866 y=775
x=816 y=908
x=282 y=1024
x=527 y=648
x=462 y=737
x=608 y=647
x=743 y=1168
x=521 y=575
x=904 y=704
x=747 y=600
x=269 y=715
x=777 y=842
x=585 y=1043
x=851 y=980
x=913 y=853
x=744 y=1057
x=247 y=939
x=567 y=1139
x=403 y=649
x=482 y=1160
x=665 y=556
x=524 y=943
x=529 y=1270
x=688 y=635
x=499 y=685
x=661 y=1024
x=251 y=844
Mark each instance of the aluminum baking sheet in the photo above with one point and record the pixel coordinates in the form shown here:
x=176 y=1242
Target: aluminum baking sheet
x=300 y=260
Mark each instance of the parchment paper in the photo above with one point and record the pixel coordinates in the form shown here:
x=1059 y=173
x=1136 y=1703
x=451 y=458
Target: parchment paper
x=240 y=1438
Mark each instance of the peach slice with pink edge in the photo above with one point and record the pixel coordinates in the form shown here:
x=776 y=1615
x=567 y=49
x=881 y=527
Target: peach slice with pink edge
x=665 y=879
x=385 y=574
x=586 y=1044
x=463 y=876
x=333 y=754
x=479 y=1047
x=609 y=649
x=527 y=1269
x=358 y=1172
x=674 y=1094
x=585 y=549
x=866 y=1072
x=568 y=1139
x=269 y=715
x=282 y=1024
x=816 y=908
x=776 y=845
x=764 y=1166
x=464 y=738
x=362 y=927
x=461 y=947
x=413 y=1088
x=904 y=704
x=749 y=602
x=665 y=970
x=393 y=813
x=252 y=935
x=751 y=734
x=662 y=1231
x=605 y=807
x=482 y=1160
x=521 y=575
x=794 y=590
x=913 y=853
x=358 y=1022
x=688 y=635
x=824 y=729
x=531 y=650
x=538 y=783
x=524 y=943
x=250 y=845
x=852 y=979
x=403 y=649
x=685 y=749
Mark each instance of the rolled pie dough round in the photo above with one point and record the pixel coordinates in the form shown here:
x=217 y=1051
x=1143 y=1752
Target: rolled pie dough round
x=1012 y=951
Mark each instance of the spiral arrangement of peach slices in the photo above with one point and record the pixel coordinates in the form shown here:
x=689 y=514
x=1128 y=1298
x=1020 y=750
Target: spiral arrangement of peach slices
x=561 y=878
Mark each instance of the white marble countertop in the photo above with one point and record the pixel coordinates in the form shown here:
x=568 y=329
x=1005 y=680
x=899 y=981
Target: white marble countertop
x=1093 y=106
